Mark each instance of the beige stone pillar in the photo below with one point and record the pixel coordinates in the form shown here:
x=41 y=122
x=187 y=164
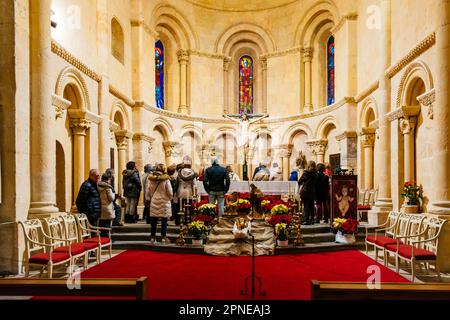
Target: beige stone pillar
x=79 y=127
x=226 y=81
x=285 y=153
x=183 y=59
x=384 y=201
x=368 y=142
x=307 y=62
x=440 y=192
x=264 y=83
x=43 y=152
x=407 y=126
x=122 y=139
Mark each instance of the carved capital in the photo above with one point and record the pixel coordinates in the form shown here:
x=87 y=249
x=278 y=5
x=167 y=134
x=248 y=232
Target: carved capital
x=61 y=105
x=285 y=150
x=226 y=64
x=172 y=148
x=263 y=61
x=307 y=54
x=123 y=138
x=79 y=126
x=183 y=56
x=317 y=147
x=407 y=125
x=427 y=100
x=367 y=136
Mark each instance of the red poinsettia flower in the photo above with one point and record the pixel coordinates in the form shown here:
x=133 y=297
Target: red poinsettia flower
x=350 y=226
x=274 y=220
x=203 y=218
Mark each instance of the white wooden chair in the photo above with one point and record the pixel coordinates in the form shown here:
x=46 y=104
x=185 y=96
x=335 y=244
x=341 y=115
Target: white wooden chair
x=72 y=233
x=38 y=252
x=85 y=235
x=63 y=243
x=421 y=247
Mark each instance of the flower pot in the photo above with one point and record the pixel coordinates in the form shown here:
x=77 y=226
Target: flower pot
x=345 y=238
x=197 y=242
x=411 y=209
x=282 y=243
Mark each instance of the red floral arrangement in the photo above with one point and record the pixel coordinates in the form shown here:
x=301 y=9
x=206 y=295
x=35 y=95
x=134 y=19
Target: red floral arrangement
x=274 y=220
x=200 y=203
x=203 y=218
x=244 y=195
x=268 y=202
x=350 y=226
x=243 y=206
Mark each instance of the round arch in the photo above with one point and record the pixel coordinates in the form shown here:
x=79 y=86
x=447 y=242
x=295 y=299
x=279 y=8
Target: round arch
x=324 y=125
x=369 y=105
x=73 y=77
x=416 y=70
x=119 y=109
x=294 y=129
x=164 y=126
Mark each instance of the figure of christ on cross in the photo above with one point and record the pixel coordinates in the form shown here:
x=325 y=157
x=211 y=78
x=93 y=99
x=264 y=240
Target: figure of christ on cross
x=244 y=120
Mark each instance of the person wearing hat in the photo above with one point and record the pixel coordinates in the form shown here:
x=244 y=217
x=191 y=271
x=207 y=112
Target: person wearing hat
x=186 y=184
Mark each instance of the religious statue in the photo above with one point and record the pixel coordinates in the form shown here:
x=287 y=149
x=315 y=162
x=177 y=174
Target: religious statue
x=245 y=122
x=256 y=196
x=242 y=228
x=231 y=203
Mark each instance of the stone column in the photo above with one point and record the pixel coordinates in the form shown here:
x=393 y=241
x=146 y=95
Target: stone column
x=368 y=142
x=440 y=194
x=318 y=148
x=407 y=127
x=307 y=61
x=226 y=90
x=43 y=152
x=264 y=83
x=286 y=153
x=79 y=127
x=384 y=202
x=122 y=139
x=183 y=59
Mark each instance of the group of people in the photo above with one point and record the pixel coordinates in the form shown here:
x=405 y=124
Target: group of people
x=314 y=183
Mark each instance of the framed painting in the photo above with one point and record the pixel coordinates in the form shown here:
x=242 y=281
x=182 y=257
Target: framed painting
x=344 y=196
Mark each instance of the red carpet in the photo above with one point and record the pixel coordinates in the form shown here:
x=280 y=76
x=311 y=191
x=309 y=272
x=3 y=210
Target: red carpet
x=191 y=277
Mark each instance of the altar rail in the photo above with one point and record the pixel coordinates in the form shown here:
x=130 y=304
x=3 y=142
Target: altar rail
x=88 y=288
x=387 y=291
x=267 y=187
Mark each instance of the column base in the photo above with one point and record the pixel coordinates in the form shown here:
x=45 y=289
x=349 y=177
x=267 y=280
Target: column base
x=440 y=208
x=42 y=210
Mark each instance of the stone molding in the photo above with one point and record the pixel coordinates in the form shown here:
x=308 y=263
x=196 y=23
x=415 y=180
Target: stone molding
x=281 y=53
x=74 y=61
x=402 y=112
x=285 y=150
x=307 y=54
x=263 y=62
x=427 y=100
x=120 y=95
x=183 y=56
x=346 y=135
x=418 y=50
x=342 y=20
x=84 y=114
x=206 y=54
x=317 y=147
x=60 y=104
x=143 y=137
x=226 y=64
x=367 y=92
x=146 y=27
x=113 y=127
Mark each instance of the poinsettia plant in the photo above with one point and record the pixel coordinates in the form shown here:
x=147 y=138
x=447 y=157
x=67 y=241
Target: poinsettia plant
x=412 y=192
x=206 y=209
x=345 y=226
x=282 y=231
x=277 y=219
x=243 y=206
x=206 y=219
x=197 y=229
x=280 y=209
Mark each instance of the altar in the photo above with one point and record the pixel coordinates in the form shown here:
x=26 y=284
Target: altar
x=267 y=187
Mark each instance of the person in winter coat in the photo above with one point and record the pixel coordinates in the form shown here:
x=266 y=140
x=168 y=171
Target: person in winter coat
x=276 y=174
x=217 y=184
x=233 y=175
x=88 y=199
x=117 y=207
x=172 y=172
x=159 y=192
x=186 y=184
x=107 y=198
x=308 y=184
x=322 y=194
x=148 y=168
x=132 y=186
x=263 y=173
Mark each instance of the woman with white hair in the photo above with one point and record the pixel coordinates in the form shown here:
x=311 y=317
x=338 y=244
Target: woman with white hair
x=276 y=174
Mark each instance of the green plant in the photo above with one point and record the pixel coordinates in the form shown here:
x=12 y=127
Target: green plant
x=197 y=229
x=282 y=231
x=412 y=192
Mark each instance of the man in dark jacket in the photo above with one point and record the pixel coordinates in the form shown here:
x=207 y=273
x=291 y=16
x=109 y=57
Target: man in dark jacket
x=132 y=187
x=217 y=184
x=308 y=193
x=322 y=194
x=88 y=199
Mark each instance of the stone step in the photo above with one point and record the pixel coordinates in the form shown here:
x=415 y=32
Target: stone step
x=146 y=245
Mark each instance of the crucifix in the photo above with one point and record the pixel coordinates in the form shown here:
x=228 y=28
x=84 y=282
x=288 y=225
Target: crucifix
x=245 y=121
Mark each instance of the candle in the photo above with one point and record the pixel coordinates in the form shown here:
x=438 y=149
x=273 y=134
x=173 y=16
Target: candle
x=181 y=204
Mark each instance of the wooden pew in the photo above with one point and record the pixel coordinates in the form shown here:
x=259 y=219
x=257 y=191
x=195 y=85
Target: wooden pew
x=387 y=291
x=89 y=288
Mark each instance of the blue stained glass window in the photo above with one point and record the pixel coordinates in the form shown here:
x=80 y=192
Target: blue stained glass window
x=159 y=74
x=330 y=70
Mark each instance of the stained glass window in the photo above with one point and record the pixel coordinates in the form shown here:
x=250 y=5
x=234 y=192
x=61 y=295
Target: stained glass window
x=159 y=74
x=246 y=85
x=330 y=70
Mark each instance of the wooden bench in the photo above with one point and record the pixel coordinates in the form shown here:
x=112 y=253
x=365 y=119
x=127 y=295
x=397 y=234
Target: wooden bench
x=387 y=291
x=89 y=288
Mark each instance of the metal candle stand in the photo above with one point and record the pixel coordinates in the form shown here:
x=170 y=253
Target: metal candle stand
x=253 y=276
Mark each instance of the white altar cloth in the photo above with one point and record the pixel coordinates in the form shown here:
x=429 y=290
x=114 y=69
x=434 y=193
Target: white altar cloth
x=267 y=187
